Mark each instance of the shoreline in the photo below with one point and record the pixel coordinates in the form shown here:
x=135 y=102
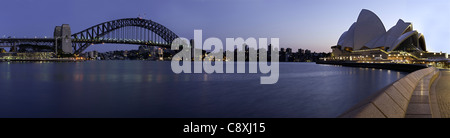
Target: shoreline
x=40 y=60
x=391 y=66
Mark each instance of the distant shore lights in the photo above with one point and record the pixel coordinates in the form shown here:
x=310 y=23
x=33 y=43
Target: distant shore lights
x=256 y=57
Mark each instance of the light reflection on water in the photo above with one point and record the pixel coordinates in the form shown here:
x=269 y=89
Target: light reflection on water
x=151 y=89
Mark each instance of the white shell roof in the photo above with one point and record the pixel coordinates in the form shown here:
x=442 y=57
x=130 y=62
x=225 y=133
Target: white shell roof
x=368 y=27
x=403 y=38
x=369 y=31
x=347 y=41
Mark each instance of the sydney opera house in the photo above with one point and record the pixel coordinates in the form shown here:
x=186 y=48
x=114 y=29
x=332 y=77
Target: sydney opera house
x=368 y=41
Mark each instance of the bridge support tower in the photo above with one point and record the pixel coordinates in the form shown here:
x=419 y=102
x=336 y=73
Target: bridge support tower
x=63 y=39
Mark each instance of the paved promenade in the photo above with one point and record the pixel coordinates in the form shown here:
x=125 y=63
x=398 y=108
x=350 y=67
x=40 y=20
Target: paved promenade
x=442 y=90
x=419 y=104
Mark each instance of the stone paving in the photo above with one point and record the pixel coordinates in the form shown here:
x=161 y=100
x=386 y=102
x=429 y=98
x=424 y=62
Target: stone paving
x=419 y=104
x=442 y=90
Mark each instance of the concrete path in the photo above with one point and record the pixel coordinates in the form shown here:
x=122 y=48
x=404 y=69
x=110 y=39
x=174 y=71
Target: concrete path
x=442 y=90
x=421 y=102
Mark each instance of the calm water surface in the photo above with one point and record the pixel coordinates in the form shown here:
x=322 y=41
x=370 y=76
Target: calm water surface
x=151 y=89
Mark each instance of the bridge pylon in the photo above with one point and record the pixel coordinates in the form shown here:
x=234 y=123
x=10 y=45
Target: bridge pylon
x=63 y=39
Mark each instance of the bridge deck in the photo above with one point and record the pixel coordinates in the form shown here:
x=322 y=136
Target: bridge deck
x=2 y=40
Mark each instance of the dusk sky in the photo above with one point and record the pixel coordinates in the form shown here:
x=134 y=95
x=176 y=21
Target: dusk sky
x=307 y=24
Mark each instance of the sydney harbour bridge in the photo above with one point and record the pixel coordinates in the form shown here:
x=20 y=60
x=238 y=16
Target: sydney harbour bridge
x=136 y=31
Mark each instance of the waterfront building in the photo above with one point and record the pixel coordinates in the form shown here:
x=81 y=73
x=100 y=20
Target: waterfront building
x=368 y=41
x=289 y=50
x=289 y=56
x=301 y=51
x=307 y=52
x=26 y=56
x=282 y=55
x=92 y=54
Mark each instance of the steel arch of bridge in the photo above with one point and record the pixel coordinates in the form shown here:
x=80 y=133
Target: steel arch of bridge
x=124 y=31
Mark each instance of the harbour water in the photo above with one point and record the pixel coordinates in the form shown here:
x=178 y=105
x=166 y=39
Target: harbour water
x=151 y=89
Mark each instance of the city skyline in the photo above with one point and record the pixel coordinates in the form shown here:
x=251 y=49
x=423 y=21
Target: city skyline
x=299 y=24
